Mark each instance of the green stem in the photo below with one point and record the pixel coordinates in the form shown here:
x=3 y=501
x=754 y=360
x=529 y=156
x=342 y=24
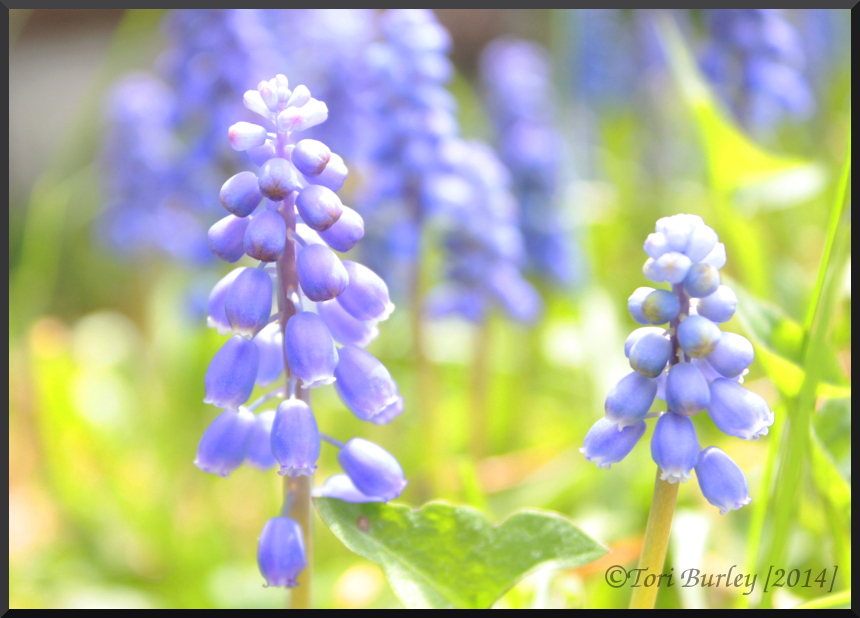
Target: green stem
x=424 y=401
x=656 y=541
x=301 y=511
x=479 y=418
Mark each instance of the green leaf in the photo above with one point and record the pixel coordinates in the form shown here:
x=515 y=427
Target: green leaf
x=834 y=488
x=832 y=424
x=447 y=556
x=768 y=324
x=779 y=344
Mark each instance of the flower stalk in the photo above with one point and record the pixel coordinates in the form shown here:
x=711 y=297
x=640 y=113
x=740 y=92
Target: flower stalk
x=656 y=541
x=301 y=511
x=479 y=429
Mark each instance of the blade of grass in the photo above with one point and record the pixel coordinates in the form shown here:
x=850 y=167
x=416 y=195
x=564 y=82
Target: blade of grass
x=794 y=448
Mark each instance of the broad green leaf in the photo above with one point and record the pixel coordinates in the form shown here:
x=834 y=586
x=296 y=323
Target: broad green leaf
x=447 y=556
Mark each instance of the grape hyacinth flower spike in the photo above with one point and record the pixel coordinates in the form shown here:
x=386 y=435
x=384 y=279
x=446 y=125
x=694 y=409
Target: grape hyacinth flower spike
x=699 y=366
x=320 y=301
x=755 y=59
x=691 y=365
x=518 y=90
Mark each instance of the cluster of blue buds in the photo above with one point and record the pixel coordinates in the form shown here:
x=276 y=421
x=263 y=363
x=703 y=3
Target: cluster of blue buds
x=483 y=242
x=517 y=79
x=289 y=217
x=755 y=59
x=692 y=366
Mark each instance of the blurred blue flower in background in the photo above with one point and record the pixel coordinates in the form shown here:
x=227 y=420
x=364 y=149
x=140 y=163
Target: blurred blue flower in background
x=406 y=115
x=601 y=56
x=755 y=59
x=419 y=173
x=517 y=78
x=164 y=148
x=484 y=246
x=146 y=195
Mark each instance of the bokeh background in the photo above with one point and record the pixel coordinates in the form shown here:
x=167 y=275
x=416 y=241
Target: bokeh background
x=107 y=351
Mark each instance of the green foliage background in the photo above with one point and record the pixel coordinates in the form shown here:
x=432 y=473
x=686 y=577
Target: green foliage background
x=107 y=364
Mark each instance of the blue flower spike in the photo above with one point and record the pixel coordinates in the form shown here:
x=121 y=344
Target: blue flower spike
x=691 y=365
x=287 y=318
